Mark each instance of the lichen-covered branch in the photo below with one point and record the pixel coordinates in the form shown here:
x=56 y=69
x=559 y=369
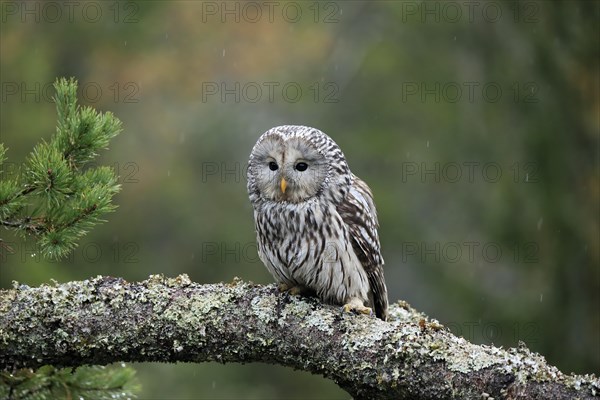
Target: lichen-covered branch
x=104 y=320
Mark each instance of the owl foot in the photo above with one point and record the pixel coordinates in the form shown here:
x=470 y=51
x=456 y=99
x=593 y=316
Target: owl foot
x=293 y=290
x=357 y=306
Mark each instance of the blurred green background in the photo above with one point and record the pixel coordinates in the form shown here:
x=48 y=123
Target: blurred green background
x=475 y=124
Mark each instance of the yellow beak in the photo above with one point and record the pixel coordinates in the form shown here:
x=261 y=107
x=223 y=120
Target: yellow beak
x=283 y=185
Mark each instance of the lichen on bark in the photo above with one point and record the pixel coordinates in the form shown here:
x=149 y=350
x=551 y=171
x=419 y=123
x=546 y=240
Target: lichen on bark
x=104 y=319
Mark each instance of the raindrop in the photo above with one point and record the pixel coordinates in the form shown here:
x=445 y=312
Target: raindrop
x=168 y=173
x=428 y=144
x=540 y=223
x=223 y=53
x=541 y=297
x=126 y=43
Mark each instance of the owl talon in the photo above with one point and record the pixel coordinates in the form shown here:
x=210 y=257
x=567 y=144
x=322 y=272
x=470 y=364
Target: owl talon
x=358 y=307
x=282 y=287
x=293 y=290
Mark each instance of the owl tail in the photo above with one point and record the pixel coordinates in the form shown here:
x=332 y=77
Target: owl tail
x=379 y=292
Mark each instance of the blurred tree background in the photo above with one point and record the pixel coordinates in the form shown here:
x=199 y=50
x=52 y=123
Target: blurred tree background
x=476 y=124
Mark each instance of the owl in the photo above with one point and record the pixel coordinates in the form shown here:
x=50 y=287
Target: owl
x=315 y=221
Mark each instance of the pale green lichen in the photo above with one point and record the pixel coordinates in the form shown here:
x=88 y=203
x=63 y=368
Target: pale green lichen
x=526 y=366
x=465 y=357
x=258 y=339
x=321 y=320
x=408 y=340
x=189 y=313
x=209 y=302
x=182 y=280
x=298 y=309
x=367 y=334
x=177 y=346
x=262 y=307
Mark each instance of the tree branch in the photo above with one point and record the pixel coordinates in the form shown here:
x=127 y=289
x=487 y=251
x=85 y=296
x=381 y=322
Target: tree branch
x=105 y=319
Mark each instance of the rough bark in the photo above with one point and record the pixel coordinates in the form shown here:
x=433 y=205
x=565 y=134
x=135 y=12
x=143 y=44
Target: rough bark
x=104 y=320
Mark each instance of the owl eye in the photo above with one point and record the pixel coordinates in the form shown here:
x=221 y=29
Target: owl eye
x=301 y=166
x=273 y=166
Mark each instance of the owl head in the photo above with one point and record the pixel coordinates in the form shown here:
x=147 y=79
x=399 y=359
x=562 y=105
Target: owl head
x=295 y=164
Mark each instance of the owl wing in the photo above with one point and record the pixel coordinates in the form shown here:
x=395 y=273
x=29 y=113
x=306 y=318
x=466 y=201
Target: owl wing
x=359 y=214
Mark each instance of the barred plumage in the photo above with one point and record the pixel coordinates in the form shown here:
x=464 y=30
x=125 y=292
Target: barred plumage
x=316 y=222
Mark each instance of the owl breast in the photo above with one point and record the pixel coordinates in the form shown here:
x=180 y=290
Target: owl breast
x=308 y=245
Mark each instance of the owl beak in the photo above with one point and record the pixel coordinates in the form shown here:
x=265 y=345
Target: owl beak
x=283 y=185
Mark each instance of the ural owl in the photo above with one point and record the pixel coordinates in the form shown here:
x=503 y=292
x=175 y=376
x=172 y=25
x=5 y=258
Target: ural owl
x=315 y=221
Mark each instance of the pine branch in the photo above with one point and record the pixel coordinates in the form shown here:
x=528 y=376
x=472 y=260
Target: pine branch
x=89 y=382
x=25 y=225
x=67 y=198
x=104 y=320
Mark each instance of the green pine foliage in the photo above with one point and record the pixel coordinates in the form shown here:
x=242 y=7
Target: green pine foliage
x=59 y=196
x=115 y=382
